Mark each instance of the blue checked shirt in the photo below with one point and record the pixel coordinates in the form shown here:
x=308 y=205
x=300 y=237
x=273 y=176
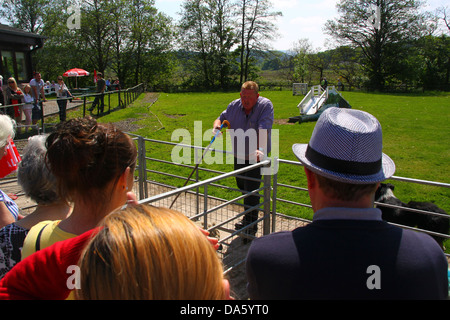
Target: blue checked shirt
x=261 y=117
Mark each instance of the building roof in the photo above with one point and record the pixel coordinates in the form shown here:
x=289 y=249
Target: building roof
x=5 y=29
x=17 y=38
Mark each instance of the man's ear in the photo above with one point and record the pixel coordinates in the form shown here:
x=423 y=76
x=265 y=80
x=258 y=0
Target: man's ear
x=311 y=178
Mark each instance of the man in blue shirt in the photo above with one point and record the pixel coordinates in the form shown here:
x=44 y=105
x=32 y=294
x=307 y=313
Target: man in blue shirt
x=348 y=251
x=251 y=118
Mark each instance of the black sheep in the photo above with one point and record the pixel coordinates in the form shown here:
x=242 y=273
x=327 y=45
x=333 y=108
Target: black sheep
x=428 y=222
x=431 y=222
x=384 y=194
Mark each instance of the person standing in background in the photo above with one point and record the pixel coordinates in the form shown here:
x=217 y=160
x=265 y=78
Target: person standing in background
x=62 y=94
x=38 y=94
x=14 y=98
x=99 y=98
x=28 y=106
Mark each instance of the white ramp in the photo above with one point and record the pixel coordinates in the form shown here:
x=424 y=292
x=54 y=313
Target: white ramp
x=313 y=101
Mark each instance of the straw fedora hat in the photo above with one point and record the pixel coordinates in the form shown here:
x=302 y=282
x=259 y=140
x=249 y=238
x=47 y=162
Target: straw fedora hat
x=346 y=145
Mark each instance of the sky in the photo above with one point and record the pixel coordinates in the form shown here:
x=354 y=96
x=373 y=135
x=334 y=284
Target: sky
x=301 y=19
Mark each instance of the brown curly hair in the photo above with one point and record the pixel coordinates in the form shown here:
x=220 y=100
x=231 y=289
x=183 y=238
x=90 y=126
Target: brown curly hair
x=86 y=156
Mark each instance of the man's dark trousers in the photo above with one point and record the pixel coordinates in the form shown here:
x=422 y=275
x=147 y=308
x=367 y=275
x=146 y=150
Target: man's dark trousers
x=249 y=185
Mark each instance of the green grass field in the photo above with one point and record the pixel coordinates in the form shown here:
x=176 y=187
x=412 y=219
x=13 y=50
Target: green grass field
x=416 y=136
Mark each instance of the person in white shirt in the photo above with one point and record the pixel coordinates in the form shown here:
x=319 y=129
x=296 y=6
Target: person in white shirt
x=28 y=106
x=37 y=92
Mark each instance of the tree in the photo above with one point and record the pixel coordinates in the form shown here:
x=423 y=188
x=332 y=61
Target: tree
x=27 y=15
x=443 y=11
x=95 y=38
x=378 y=28
x=300 y=53
x=319 y=62
x=206 y=30
x=345 y=63
x=148 y=35
x=256 y=30
x=434 y=58
x=225 y=39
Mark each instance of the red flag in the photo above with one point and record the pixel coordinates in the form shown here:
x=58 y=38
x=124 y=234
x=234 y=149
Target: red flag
x=95 y=76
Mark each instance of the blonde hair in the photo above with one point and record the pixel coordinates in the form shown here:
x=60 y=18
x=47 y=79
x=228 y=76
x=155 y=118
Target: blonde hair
x=13 y=80
x=144 y=252
x=250 y=85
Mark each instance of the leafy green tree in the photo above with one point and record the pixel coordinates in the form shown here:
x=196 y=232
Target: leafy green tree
x=206 y=30
x=376 y=27
x=300 y=58
x=26 y=14
x=345 y=63
x=434 y=55
x=256 y=29
x=95 y=38
x=147 y=37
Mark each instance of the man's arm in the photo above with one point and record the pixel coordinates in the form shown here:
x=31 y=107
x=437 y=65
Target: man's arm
x=264 y=127
x=35 y=92
x=43 y=94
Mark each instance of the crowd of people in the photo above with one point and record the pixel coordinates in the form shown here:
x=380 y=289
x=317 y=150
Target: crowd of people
x=27 y=102
x=87 y=221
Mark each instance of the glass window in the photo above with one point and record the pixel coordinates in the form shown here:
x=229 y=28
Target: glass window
x=21 y=66
x=8 y=64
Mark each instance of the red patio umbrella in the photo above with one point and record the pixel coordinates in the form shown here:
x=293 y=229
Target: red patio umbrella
x=76 y=72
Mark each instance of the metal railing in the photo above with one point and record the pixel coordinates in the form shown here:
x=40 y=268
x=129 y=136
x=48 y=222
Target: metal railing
x=272 y=218
x=198 y=206
x=278 y=185
x=213 y=201
x=124 y=98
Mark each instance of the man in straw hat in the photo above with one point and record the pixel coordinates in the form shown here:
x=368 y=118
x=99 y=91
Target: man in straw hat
x=348 y=251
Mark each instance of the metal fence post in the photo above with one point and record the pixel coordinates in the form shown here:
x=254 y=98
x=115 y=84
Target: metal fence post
x=267 y=186
x=144 y=168
x=197 y=191
x=274 y=194
x=141 y=161
x=84 y=106
x=205 y=207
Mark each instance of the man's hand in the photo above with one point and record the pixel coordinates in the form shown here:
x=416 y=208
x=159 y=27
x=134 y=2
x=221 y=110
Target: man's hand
x=259 y=155
x=216 y=126
x=214 y=131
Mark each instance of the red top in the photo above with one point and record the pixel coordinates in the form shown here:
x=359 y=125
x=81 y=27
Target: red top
x=44 y=274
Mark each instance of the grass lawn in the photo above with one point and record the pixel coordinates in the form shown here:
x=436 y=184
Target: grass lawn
x=416 y=136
